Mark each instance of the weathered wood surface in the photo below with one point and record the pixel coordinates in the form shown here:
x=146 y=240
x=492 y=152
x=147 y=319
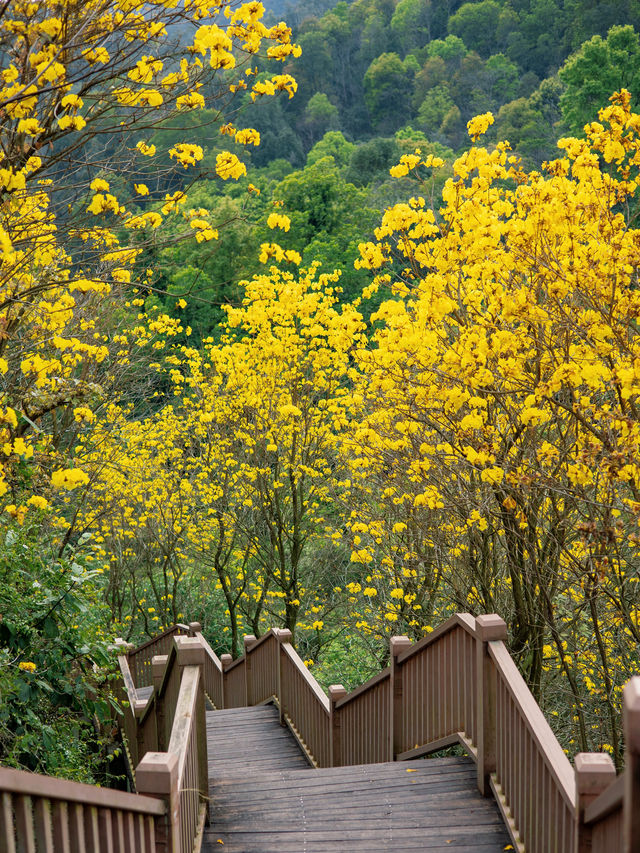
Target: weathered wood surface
x=266 y=798
x=250 y=739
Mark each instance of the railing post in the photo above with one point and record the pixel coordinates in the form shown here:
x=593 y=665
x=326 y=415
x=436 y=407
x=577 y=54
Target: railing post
x=488 y=629
x=631 y=806
x=283 y=635
x=249 y=642
x=157 y=776
x=139 y=707
x=225 y=663
x=336 y=692
x=594 y=771
x=158 y=666
x=195 y=628
x=397 y=645
x=190 y=652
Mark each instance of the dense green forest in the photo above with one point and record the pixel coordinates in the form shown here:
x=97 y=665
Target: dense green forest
x=291 y=336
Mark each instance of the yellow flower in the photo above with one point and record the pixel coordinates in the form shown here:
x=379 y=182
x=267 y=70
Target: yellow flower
x=479 y=125
x=27 y=666
x=69 y=478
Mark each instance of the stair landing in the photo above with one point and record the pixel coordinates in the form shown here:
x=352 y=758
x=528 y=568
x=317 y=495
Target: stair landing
x=266 y=798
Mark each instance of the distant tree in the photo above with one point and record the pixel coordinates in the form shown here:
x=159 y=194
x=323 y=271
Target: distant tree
x=433 y=109
x=371 y=161
x=452 y=129
x=538 y=42
x=312 y=75
x=386 y=91
x=411 y=23
x=476 y=24
x=503 y=76
x=333 y=144
x=586 y=18
x=600 y=67
x=320 y=115
x=433 y=73
x=451 y=49
x=525 y=128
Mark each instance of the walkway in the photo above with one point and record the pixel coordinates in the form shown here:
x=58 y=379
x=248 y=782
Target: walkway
x=267 y=799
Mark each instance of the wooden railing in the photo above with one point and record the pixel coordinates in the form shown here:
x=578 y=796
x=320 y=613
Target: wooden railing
x=163 y=709
x=457 y=685
x=41 y=814
x=141 y=657
x=164 y=730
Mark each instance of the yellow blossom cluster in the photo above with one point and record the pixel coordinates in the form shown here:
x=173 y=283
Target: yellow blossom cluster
x=494 y=458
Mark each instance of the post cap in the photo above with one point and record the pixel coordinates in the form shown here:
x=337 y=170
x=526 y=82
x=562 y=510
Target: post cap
x=631 y=714
x=226 y=660
x=336 y=692
x=158 y=664
x=398 y=645
x=249 y=641
x=594 y=772
x=490 y=626
x=283 y=635
x=195 y=628
x=190 y=651
x=157 y=773
x=140 y=706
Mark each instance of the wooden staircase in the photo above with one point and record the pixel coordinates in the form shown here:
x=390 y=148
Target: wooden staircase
x=279 y=765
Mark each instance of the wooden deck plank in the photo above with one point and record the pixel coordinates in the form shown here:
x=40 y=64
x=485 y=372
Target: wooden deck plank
x=266 y=798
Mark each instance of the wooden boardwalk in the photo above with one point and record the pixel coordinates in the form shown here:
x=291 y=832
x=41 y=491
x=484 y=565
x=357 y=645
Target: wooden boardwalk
x=266 y=798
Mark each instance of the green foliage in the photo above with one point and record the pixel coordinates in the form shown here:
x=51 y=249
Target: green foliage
x=411 y=23
x=476 y=24
x=434 y=108
x=329 y=217
x=600 y=67
x=386 y=92
x=333 y=144
x=54 y=665
x=320 y=116
x=206 y=275
x=371 y=161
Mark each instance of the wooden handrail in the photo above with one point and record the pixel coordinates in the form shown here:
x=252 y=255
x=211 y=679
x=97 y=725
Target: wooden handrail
x=363 y=688
x=173 y=714
x=548 y=747
x=213 y=675
x=607 y=802
x=462 y=620
x=157 y=638
x=21 y=782
x=306 y=676
x=235 y=663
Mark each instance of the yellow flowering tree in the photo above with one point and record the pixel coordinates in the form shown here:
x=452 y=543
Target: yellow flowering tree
x=72 y=75
x=83 y=87
x=498 y=407
x=236 y=472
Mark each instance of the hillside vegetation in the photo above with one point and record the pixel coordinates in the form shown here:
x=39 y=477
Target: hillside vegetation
x=291 y=335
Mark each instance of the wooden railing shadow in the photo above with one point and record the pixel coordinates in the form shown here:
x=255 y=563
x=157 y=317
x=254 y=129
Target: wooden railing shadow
x=457 y=685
